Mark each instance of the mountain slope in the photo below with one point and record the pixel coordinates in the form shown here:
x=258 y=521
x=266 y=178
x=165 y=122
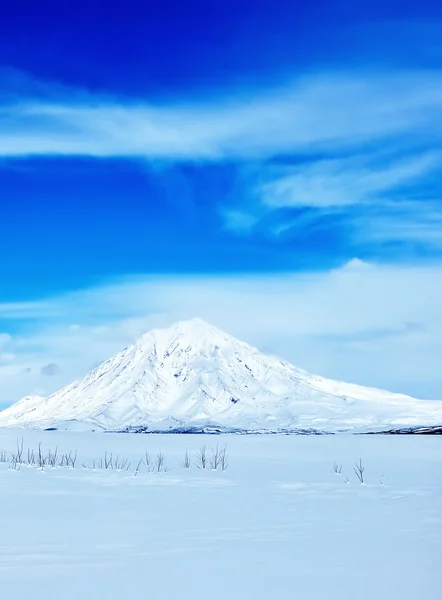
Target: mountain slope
x=192 y=374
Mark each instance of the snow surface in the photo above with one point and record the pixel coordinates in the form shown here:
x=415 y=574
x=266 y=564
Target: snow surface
x=193 y=375
x=278 y=523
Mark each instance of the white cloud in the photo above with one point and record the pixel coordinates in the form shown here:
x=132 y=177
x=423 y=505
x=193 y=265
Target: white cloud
x=376 y=325
x=6 y=357
x=326 y=110
x=327 y=116
x=239 y=221
x=5 y=339
x=23 y=310
x=344 y=181
x=412 y=220
x=371 y=197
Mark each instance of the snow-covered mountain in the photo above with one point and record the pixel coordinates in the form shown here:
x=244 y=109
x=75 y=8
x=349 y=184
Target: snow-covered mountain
x=193 y=375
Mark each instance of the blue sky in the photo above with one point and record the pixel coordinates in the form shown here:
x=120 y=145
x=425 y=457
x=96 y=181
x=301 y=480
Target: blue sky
x=153 y=153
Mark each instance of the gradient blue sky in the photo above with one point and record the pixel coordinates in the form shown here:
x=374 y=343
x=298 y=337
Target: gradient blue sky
x=274 y=167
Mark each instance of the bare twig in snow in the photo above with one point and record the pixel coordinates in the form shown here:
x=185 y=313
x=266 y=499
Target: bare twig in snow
x=186 y=461
x=224 y=459
x=147 y=460
x=41 y=458
x=218 y=458
x=138 y=467
x=20 y=451
x=159 y=464
x=359 y=470
x=337 y=469
x=201 y=458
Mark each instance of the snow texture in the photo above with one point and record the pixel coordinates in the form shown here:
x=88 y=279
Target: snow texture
x=278 y=523
x=193 y=376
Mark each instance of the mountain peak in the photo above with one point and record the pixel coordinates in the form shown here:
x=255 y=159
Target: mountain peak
x=193 y=375
x=194 y=333
x=195 y=326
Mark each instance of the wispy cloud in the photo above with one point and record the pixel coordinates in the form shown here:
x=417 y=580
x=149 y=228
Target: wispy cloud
x=23 y=310
x=324 y=111
x=373 y=198
x=344 y=181
x=412 y=223
x=343 y=146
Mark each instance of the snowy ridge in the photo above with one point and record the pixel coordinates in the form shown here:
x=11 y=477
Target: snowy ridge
x=193 y=375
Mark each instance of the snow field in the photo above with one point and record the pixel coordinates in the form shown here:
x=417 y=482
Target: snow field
x=279 y=522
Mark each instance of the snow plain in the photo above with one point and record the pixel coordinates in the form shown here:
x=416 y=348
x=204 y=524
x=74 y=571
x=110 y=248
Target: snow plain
x=278 y=523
